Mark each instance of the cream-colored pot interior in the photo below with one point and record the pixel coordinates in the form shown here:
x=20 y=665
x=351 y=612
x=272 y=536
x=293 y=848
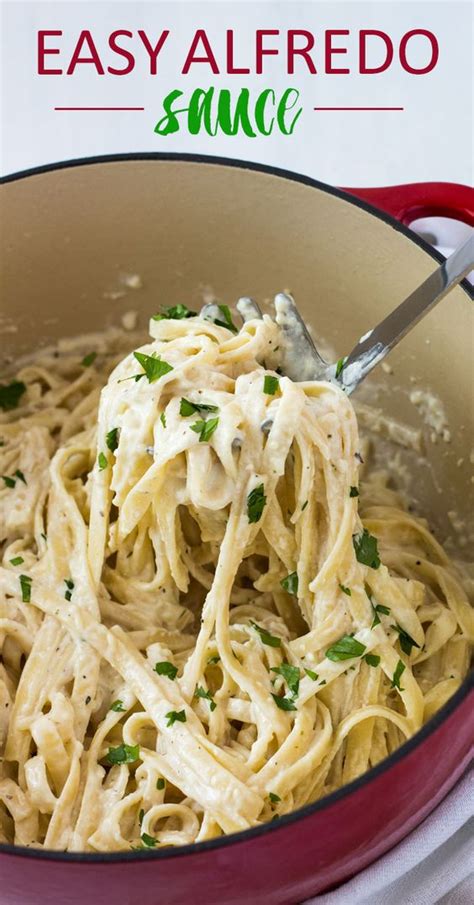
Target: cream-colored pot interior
x=192 y=229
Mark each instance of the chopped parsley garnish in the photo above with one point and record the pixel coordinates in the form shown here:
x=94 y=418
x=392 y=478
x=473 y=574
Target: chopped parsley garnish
x=266 y=637
x=117 y=706
x=353 y=491
x=123 y=754
x=283 y=703
x=311 y=674
x=163 y=419
x=399 y=670
x=273 y=797
x=366 y=551
x=174 y=313
x=255 y=503
x=304 y=505
x=10 y=481
x=175 y=716
x=213 y=660
x=153 y=367
x=186 y=408
x=112 y=439
x=376 y=620
x=378 y=608
x=189 y=408
x=148 y=841
x=205 y=429
x=270 y=385
x=25 y=584
x=406 y=641
x=290 y=583
x=69 y=588
x=102 y=461
x=141 y=815
x=372 y=659
x=345 y=590
x=10 y=394
x=291 y=675
x=17 y=561
x=345 y=649
x=340 y=366
x=226 y=319
x=202 y=693
x=160 y=784
x=89 y=359
x=165 y=668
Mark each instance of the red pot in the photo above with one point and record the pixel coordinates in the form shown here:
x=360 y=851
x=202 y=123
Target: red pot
x=182 y=221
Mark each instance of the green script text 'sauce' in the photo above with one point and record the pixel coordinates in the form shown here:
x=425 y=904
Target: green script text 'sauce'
x=211 y=111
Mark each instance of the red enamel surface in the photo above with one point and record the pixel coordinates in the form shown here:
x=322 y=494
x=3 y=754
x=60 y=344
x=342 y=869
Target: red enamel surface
x=421 y=199
x=285 y=865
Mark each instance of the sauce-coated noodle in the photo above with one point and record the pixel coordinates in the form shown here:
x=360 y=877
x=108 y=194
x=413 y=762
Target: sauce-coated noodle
x=197 y=631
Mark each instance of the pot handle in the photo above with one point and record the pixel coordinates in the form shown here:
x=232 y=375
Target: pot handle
x=421 y=199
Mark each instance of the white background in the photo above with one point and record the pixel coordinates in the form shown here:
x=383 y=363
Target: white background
x=430 y=140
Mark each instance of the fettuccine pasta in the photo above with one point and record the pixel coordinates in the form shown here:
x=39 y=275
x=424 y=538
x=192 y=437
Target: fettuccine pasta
x=206 y=620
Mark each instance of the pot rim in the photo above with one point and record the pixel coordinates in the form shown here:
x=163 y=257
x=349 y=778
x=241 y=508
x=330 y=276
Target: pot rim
x=237 y=163
x=441 y=715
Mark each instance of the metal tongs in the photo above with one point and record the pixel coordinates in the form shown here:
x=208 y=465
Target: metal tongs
x=300 y=360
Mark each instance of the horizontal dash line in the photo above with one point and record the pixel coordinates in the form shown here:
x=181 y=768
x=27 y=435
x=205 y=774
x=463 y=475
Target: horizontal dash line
x=358 y=108
x=99 y=108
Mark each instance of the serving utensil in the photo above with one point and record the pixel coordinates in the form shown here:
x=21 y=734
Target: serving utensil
x=300 y=359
